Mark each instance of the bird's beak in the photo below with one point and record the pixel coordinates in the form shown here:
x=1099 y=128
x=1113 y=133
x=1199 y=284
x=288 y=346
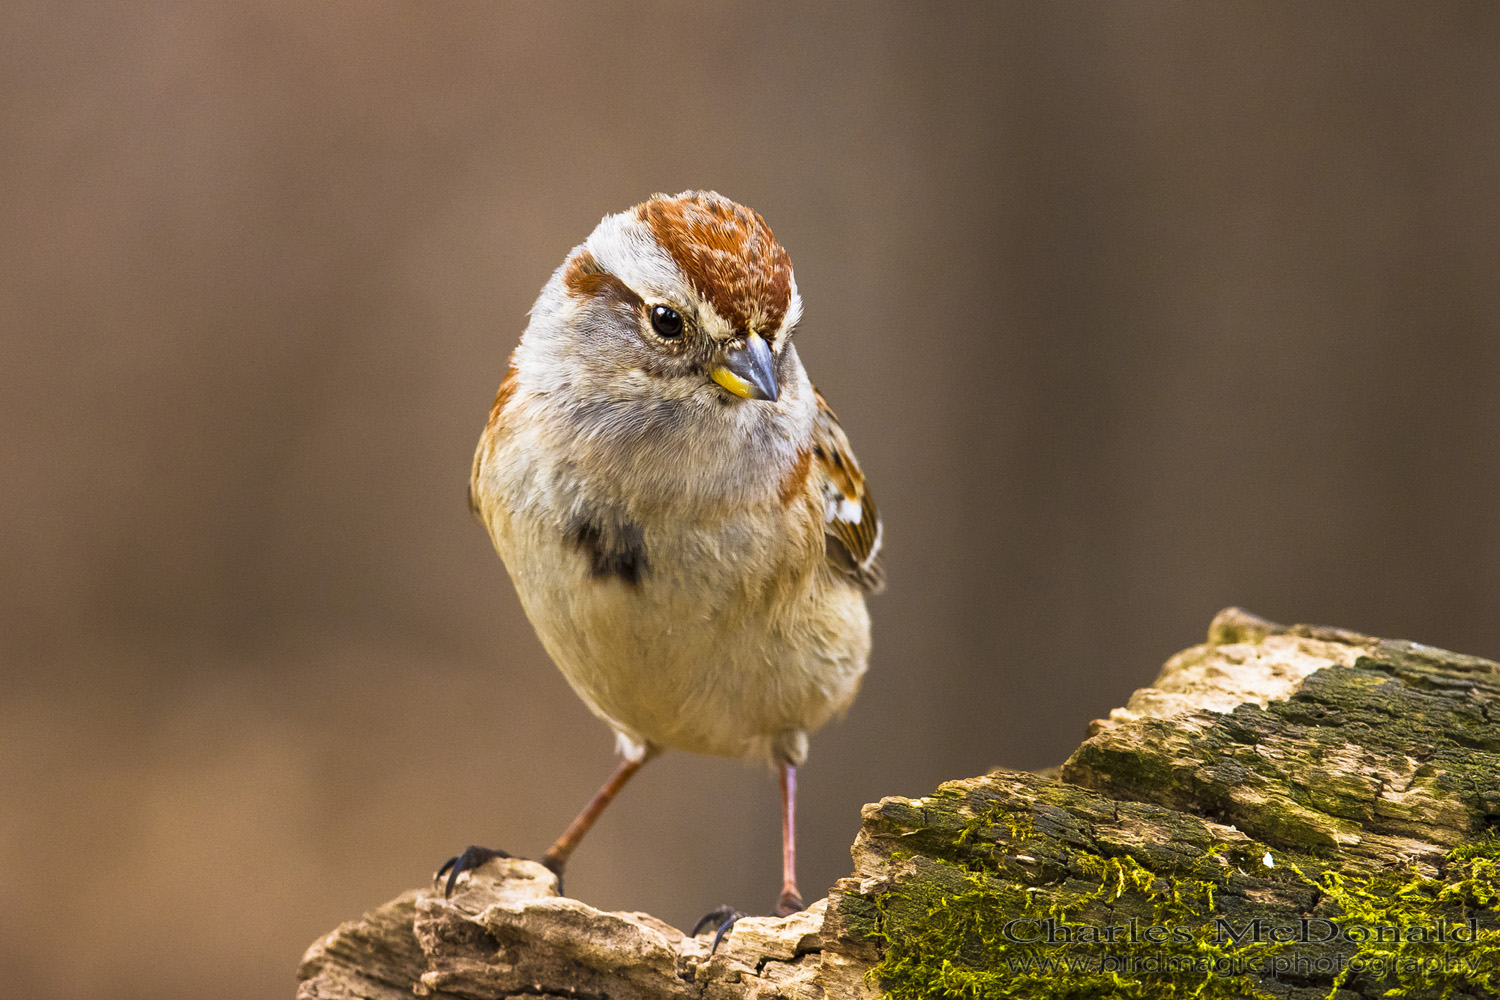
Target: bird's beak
x=749 y=371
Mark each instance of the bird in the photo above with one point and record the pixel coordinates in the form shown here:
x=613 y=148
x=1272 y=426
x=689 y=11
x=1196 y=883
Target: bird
x=680 y=513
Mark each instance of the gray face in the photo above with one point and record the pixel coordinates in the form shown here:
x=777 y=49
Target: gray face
x=630 y=368
x=647 y=337
x=678 y=289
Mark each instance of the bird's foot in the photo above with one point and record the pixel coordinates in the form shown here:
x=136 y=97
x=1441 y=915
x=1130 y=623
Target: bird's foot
x=471 y=858
x=723 y=918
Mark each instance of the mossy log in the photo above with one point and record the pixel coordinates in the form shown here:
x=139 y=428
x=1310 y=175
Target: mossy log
x=1290 y=812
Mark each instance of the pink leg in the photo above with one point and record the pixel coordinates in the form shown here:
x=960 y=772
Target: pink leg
x=557 y=855
x=791 y=899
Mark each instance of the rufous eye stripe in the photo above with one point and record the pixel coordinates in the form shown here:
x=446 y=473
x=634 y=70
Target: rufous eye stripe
x=585 y=277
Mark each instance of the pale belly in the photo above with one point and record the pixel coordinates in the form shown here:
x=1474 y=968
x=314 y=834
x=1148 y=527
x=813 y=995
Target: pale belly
x=713 y=649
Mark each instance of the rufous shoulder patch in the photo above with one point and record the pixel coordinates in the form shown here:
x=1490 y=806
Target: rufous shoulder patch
x=503 y=394
x=794 y=483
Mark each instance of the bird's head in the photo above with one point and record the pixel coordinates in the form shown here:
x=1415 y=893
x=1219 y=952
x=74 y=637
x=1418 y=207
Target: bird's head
x=681 y=301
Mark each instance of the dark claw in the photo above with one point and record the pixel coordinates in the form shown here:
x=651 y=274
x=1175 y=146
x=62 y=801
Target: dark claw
x=471 y=858
x=789 y=903
x=713 y=918
x=723 y=918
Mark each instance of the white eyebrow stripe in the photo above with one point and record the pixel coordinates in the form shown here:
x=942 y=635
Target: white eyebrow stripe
x=793 y=314
x=624 y=246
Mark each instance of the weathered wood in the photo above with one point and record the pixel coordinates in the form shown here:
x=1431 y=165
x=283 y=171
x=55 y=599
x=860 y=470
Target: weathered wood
x=1302 y=782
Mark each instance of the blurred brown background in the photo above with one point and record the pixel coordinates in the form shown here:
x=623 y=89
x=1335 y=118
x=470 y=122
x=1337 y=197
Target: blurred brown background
x=1131 y=310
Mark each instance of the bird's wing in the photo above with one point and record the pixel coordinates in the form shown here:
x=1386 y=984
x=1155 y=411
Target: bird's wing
x=850 y=520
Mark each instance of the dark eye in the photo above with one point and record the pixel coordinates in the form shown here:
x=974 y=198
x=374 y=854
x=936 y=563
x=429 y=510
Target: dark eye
x=665 y=321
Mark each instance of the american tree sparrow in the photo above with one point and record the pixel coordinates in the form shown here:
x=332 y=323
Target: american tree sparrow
x=679 y=511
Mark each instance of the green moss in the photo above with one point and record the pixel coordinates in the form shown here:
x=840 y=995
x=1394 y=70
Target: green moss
x=985 y=925
x=1410 y=960
x=1108 y=928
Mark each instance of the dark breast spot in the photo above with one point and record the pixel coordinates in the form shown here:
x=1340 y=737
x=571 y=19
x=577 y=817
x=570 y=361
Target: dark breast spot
x=615 y=548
